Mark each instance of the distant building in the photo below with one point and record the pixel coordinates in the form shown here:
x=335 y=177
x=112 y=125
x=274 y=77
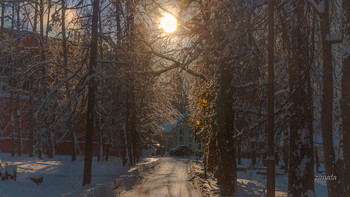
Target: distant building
x=179 y=133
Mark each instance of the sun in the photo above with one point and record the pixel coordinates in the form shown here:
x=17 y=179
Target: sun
x=168 y=23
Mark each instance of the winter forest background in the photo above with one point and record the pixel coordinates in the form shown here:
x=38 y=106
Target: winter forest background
x=273 y=73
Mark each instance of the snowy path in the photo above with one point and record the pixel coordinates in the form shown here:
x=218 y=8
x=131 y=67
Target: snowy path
x=170 y=179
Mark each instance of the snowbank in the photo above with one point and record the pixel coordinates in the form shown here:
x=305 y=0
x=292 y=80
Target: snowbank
x=249 y=182
x=205 y=187
x=125 y=182
x=61 y=176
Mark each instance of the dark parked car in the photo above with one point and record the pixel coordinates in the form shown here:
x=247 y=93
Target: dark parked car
x=160 y=150
x=180 y=151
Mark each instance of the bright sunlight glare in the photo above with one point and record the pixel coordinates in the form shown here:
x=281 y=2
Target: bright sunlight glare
x=168 y=23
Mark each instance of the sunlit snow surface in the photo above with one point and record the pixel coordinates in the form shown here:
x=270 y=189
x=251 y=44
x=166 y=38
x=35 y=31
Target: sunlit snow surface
x=249 y=183
x=252 y=184
x=62 y=177
x=170 y=178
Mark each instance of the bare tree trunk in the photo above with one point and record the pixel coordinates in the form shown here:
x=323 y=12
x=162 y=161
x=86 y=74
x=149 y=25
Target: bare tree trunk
x=42 y=52
x=73 y=144
x=119 y=11
x=35 y=26
x=327 y=102
x=253 y=153
x=31 y=125
x=13 y=148
x=2 y=15
x=43 y=90
x=131 y=132
x=227 y=177
x=40 y=147
x=212 y=155
x=18 y=18
x=134 y=134
x=271 y=104
x=345 y=101
x=122 y=135
x=124 y=147
x=67 y=84
x=13 y=16
x=51 y=151
x=108 y=149
x=128 y=131
x=41 y=21
x=51 y=133
x=2 y=122
x=346 y=121
x=48 y=18
x=301 y=174
x=205 y=160
x=239 y=145
x=100 y=139
x=100 y=134
x=50 y=118
x=18 y=126
x=90 y=119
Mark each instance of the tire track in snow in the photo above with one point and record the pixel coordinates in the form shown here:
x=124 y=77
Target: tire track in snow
x=170 y=179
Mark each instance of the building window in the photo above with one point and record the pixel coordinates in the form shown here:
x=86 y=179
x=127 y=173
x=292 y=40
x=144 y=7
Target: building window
x=181 y=137
x=181 y=140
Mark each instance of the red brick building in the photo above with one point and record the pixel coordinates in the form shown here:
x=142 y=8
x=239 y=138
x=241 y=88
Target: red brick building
x=19 y=114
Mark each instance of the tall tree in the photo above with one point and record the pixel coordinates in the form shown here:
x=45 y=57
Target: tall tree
x=226 y=165
x=18 y=18
x=48 y=26
x=131 y=132
x=271 y=104
x=18 y=124
x=2 y=15
x=345 y=101
x=36 y=10
x=327 y=99
x=295 y=30
x=67 y=84
x=90 y=118
x=122 y=133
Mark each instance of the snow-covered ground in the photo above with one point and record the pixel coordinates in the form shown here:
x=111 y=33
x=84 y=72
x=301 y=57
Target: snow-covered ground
x=252 y=184
x=170 y=178
x=249 y=183
x=62 y=177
